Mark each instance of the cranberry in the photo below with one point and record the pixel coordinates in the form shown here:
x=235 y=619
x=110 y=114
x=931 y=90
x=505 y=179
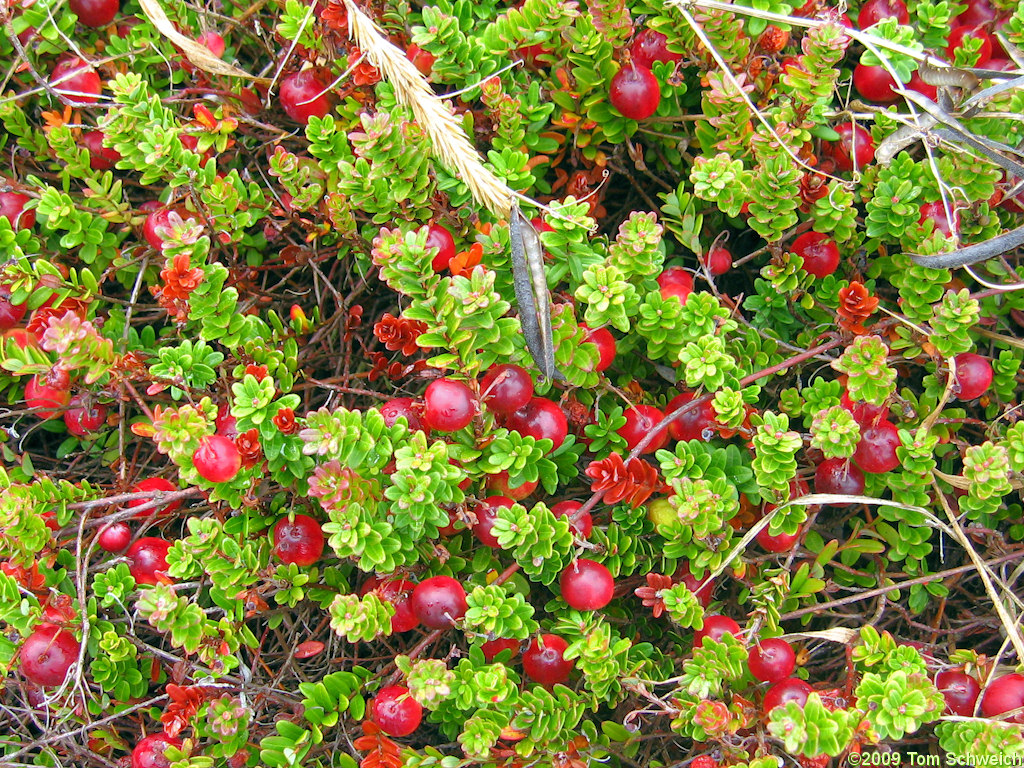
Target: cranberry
x=398 y=592
x=876 y=451
x=696 y=424
x=153 y=485
x=115 y=537
x=838 y=476
x=94 y=13
x=149 y=752
x=875 y=84
x=450 y=405
x=47 y=395
x=439 y=602
x=819 y=252
x=785 y=691
x=47 y=655
x=718 y=260
x=543 y=661
x=492 y=648
x=300 y=541
x=540 y=418
x=973 y=376
x=640 y=422
x=960 y=690
x=604 y=341
x=225 y=423
x=919 y=85
x=499 y=483
x=75 y=80
x=506 y=388
x=679 y=290
x=978 y=12
x=10 y=314
x=781 y=542
x=873 y=11
x=771 y=660
x=147 y=559
x=213 y=42
x=440 y=238
x=864 y=413
x=854 y=148
x=155 y=223
x=581 y=526
x=396 y=711
x=672 y=275
x=650 y=46
x=486 y=513
x=84 y=415
x=101 y=158
x=715 y=627
x=421 y=59
x=404 y=407
x=1004 y=694
x=936 y=213
x=704 y=593
x=303 y=96
x=587 y=585
x=217 y=459
x=956 y=40
x=635 y=92
x=12 y=208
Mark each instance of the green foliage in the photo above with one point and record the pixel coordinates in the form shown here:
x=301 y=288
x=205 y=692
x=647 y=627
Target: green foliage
x=541 y=543
x=361 y=618
x=187 y=365
x=954 y=317
x=899 y=702
x=812 y=729
x=835 y=432
x=775 y=447
x=870 y=378
x=495 y=612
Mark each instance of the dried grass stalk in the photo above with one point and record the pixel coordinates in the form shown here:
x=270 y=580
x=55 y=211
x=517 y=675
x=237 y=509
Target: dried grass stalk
x=451 y=146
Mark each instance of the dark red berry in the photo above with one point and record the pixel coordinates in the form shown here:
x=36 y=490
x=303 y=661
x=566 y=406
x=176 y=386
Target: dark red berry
x=48 y=394
x=84 y=415
x=217 y=459
x=936 y=213
x=677 y=289
x=396 y=711
x=1004 y=694
x=440 y=238
x=696 y=424
x=780 y=542
x=47 y=655
x=819 y=252
x=153 y=228
x=403 y=407
x=863 y=413
x=875 y=84
x=873 y=11
x=94 y=13
x=650 y=46
x=973 y=376
x=493 y=647
x=147 y=559
x=486 y=512
x=838 y=476
x=544 y=663
x=919 y=85
x=771 y=660
x=604 y=341
x=225 y=423
x=640 y=422
x=10 y=314
x=115 y=537
x=978 y=12
x=398 y=592
x=960 y=690
x=854 y=149
x=506 y=388
x=785 y=691
x=421 y=59
x=12 y=208
x=303 y=95
x=704 y=592
x=956 y=40
x=718 y=260
x=154 y=485
x=587 y=585
x=635 y=92
x=715 y=627
x=449 y=405
x=150 y=751
x=439 y=602
x=299 y=541
x=101 y=158
x=671 y=275
x=499 y=483
x=876 y=451
x=581 y=525
x=540 y=418
x=76 y=81
x=213 y=42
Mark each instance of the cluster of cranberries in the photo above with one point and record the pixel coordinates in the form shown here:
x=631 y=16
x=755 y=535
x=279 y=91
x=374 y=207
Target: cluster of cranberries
x=634 y=89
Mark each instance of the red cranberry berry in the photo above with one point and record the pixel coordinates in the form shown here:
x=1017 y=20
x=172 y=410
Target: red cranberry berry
x=439 y=602
x=1004 y=694
x=94 y=13
x=956 y=40
x=115 y=537
x=876 y=451
x=147 y=559
x=604 y=341
x=217 y=459
x=84 y=415
x=76 y=81
x=486 y=513
x=696 y=424
x=10 y=314
x=225 y=423
x=421 y=59
x=718 y=260
x=450 y=405
x=715 y=627
x=978 y=12
x=582 y=525
x=973 y=376
x=405 y=407
x=101 y=158
x=12 y=208
x=48 y=394
x=540 y=418
x=506 y=388
x=396 y=711
x=150 y=751
x=936 y=213
x=492 y=648
x=704 y=592
x=819 y=252
x=154 y=485
x=398 y=592
x=919 y=85
x=678 y=289
x=213 y=42
x=873 y=11
x=47 y=655
x=635 y=92
x=771 y=660
x=303 y=96
x=440 y=238
x=854 y=149
x=650 y=46
x=785 y=691
x=780 y=542
x=875 y=84
x=300 y=541
x=499 y=483
x=587 y=585
x=640 y=422
x=838 y=476
x=864 y=413
x=671 y=275
x=960 y=690
x=544 y=663
x=157 y=221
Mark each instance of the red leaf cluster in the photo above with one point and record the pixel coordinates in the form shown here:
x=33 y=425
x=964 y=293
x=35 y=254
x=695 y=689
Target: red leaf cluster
x=651 y=594
x=393 y=370
x=284 y=420
x=184 y=703
x=383 y=752
x=399 y=333
x=855 y=306
x=634 y=482
x=248 y=445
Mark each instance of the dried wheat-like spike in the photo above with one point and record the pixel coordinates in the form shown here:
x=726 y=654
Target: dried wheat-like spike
x=450 y=144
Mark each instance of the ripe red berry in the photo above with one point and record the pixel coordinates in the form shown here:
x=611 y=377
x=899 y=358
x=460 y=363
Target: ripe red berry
x=696 y=424
x=155 y=223
x=785 y=691
x=94 y=13
x=650 y=46
x=640 y=422
x=499 y=484
x=213 y=42
x=101 y=158
x=115 y=537
x=47 y=655
x=838 y=476
x=956 y=40
x=217 y=459
x=1004 y=694
x=678 y=288
x=493 y=647
x=978 y=12
x=300 y=541
x=718 y=260
x=704 y=592
x=450 y=405
x=854 y=149
x=406 y=407
x=635 y=92
x=303 y=96
x=973 y=376
x=150 y=751
x=12 y=208
x=936 y=213
x=781 y=542
x=587 y=585
x=876 y=451
x=873 y=11
x=439 y=602
x=819 y=252
x=715 y=627
x=396 y=711
x=398 y=592
x=506 y=388
x=875 y=84
x=153 y=485
x=440 y=238
x=771 y=660
x=421 y=59
x=960 y=690
x=919 y=85
x=10 y=314
x=225 y=423
x=864 y=413
x=147 y=559
x=604 y=341
x=671 y=275
x=544 y=663
x=486 y=512
x=76 y=81
x=540 y=418
x=47 y=394
x=581 y=526
x=84 y=415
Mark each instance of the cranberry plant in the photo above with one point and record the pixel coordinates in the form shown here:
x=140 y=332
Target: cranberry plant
x=548 y=383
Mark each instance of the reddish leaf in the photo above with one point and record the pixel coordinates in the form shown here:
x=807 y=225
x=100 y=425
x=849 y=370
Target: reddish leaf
x=308 y=649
